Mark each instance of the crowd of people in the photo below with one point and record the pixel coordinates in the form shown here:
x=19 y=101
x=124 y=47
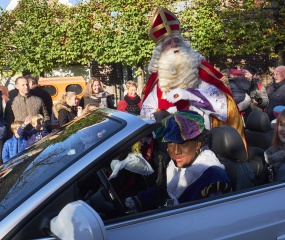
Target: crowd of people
x=184 y=92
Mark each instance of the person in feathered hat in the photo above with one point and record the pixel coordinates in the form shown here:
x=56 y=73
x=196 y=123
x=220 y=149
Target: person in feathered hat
x=181 y=78
x=194 y=172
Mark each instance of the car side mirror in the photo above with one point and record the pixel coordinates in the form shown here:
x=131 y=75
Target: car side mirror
x=77 y=221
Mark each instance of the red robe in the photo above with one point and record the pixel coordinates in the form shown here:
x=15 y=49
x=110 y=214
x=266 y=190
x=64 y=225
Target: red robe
x=209 y=74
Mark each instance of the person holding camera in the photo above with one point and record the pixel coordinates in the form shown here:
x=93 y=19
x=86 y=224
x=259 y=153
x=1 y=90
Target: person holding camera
x=257 y=92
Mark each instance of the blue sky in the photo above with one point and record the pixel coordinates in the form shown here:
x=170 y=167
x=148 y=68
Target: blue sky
x=4 y=3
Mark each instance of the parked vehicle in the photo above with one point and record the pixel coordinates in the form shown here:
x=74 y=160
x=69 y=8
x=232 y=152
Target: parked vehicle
x=45 y=191
x=58 y=85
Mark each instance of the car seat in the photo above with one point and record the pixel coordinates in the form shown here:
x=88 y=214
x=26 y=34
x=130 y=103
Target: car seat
x=257 y=161
x=280 y=175
x=258 y=130
x=227 y=144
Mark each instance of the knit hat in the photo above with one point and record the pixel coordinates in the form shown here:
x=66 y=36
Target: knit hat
x=164 y=24
x=180 y=127
x=236 y=73
x=252 y=70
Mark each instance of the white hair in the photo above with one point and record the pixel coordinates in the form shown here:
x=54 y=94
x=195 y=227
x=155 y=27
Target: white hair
x=176 y=69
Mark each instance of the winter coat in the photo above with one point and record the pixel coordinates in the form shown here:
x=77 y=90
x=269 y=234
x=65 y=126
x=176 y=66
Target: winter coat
x=12 y=147
x=131 y=105
x=64 y=113
x=204 y=177
x=31 y=136
x=38 y=91
x=23 y=106
x=275 y=158
x=276 y=96
x=240 y=87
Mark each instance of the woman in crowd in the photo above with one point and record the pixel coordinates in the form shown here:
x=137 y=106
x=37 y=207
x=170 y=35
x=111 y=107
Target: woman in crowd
x=65 y=109
x=132 y=102
x=95 y=95
x=193 y=173
x=275 y=155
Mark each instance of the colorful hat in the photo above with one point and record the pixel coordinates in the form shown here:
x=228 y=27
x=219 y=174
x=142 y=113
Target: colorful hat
x=277 y=110
x=180 y=127
x=164 y=24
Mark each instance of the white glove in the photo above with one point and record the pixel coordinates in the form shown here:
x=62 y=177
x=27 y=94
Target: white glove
x=134 y=162
x=177 y=94
x=129 y=203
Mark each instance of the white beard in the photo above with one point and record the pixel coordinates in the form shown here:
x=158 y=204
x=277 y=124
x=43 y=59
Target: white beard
x=179 y=70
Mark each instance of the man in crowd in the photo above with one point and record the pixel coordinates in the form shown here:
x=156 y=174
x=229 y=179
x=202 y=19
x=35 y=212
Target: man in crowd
x=24 y=104
x=182 y=78
x=35 y=90
x=276 y=90
x=38 y=91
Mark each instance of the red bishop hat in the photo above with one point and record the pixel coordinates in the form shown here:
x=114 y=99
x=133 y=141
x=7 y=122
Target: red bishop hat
x=164 y=24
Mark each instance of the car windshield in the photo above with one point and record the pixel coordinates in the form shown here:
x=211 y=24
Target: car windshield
x=24 y=174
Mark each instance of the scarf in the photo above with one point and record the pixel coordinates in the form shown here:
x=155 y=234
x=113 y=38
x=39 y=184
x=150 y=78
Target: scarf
x=278 y=85
x=274 y=157
x=100 y=99
x=132 y=104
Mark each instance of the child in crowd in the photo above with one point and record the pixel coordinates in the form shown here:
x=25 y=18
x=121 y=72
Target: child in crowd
x=14 y=145
x=38 y=131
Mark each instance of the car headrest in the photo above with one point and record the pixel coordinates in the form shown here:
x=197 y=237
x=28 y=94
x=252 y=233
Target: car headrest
x=226 y=142
x=258 y=121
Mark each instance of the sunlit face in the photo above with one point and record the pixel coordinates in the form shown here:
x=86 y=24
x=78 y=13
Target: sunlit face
x=281 y=131
x=183 y=154
x=171 y=42
x=23 y=86
x=96 y=87
x=278 y=75
x=71 y=101
x=132 y=91
x=247 y=74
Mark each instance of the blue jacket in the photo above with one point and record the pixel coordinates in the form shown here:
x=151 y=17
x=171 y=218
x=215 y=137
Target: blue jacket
x=31 y=136
x=12 y=147
x=214 y=179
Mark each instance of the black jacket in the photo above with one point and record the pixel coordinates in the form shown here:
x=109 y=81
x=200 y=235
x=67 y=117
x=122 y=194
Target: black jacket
x=64 y=113
x=276 y=96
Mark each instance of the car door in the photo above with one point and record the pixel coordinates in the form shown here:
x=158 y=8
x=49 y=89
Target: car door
x=255 y=214
x=31 y=218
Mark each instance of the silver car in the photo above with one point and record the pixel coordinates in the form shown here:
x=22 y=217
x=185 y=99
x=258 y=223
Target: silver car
x=45 y=192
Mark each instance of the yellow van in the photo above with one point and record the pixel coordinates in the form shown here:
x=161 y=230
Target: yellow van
x=56 y=86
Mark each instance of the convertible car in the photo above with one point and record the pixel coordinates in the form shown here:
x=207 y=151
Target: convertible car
x=60 y=188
